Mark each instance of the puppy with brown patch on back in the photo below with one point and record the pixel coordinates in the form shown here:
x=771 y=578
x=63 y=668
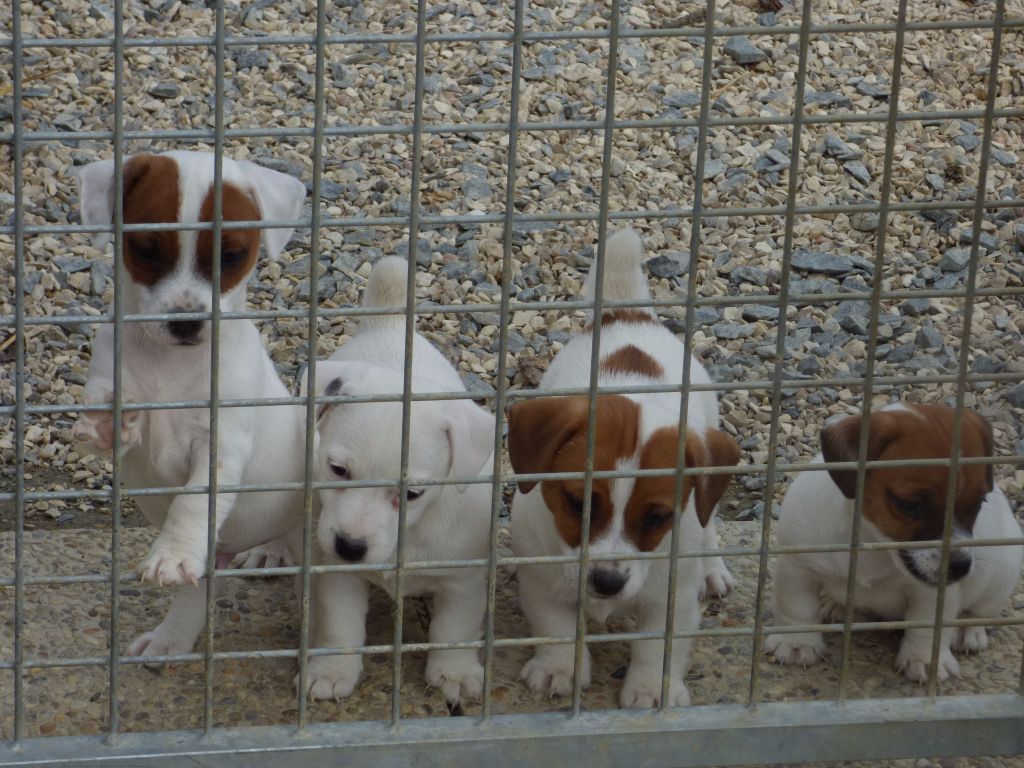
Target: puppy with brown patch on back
x=629 y=515
x=903 y=504
x=170 y=272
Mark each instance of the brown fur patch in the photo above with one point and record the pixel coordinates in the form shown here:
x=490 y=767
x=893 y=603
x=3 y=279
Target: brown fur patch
x=239 y=247
x=908 y=503
x=151 y=196
x=631 y=359
x=625 y=315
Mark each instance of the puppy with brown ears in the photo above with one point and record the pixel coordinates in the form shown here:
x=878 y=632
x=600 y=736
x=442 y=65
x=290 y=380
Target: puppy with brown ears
x=902 y=504
x=628 y=515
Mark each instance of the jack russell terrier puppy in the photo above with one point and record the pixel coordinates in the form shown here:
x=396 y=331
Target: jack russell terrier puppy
x=628 y=515
x=899 y=505
x=166 y=272
x=363 y=441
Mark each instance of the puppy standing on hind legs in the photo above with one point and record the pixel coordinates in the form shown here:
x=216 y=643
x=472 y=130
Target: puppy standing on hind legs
x=170 y=272
x=628 y=515
x=363 y=441
x=904 y=504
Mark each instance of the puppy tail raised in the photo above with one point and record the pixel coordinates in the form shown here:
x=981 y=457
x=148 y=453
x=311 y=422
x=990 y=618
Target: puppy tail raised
x=624 y=277
x=386 y=287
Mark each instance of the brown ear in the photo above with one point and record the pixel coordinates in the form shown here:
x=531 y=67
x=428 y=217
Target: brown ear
x=714 y=449
x=537 y=428
x=972 y=420
x=840 y=440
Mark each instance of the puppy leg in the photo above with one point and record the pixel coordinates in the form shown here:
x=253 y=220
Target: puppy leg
x=642 y=686
x=340 y=622
x=270 y=555
x=181 y=626
x=915 y=653
x=459 y=608
x=550 y=671
x=718 y=582
x=796 y=601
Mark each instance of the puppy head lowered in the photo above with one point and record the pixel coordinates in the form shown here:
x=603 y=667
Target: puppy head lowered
x=363 y=441
x=628 y=515
x=908 y=503
x=172 y=271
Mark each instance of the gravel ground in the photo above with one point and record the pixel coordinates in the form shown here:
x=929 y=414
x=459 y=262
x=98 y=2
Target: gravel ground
x=464 y=172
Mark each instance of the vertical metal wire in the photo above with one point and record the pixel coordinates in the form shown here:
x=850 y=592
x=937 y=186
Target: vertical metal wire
x=595 y=349
x=691 y=311
x=502 y=372
x=410 y=332
x=780 y=349
x=869 y=373
x=311 y=356
x=215 y=269
x=965 y=338
x=115 y=481
x=19 y=381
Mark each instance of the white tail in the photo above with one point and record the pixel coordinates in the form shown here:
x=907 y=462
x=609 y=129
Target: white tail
x=386 y=287
x=624 y=277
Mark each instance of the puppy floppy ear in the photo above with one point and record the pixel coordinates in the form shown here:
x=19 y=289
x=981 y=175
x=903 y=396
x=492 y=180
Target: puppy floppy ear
x=537 y=428
x=96 y=190
x=279 y=196
x=712 y=449
x=840 y=439
x=470 y=432
x=974 y=421
x=333 y=377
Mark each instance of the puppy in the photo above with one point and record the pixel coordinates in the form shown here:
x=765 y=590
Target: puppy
x=362 y=441
x=900 y=505
x=628 y=515
x=165 y=272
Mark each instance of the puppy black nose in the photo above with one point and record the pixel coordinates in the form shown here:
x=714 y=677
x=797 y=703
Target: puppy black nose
x=184 y=330
x=959 y=565
x=352 y=550
x=606 y=582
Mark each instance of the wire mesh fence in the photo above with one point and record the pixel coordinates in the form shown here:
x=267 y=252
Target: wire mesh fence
x=752 y=711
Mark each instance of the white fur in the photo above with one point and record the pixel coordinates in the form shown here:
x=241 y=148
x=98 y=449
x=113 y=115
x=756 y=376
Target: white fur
x=548 y=593
x=447 y=439
x=171 y=447
x=812 y=586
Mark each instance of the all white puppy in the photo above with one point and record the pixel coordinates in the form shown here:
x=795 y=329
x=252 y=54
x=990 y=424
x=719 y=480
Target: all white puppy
x=905 y=504
x=362 y=441
x=165 y=272
x=629 y=515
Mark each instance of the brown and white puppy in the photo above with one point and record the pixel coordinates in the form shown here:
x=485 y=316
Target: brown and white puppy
x=903 y=504
x=628 y=515
x=169 y=360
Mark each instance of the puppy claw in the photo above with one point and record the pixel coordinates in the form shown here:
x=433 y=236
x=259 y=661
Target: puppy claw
x=913 y=664
x=970 y=640
x=645 y=693
x=550 y=676
x=803 y=649
x=332 y=677
x=459 y=679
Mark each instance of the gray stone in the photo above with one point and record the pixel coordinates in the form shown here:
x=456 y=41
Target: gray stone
x=560 y=176
x=731 y=330
x=852 y=316
x=1015 y=396
x=476 y=189
x=766 y=19
x=985 y=240
x=826 y=263
x=855 y=284
x=929 y=337
x=827 y=99
x=682 y=99
x=874 y=90
x=751 y=275
x=756 y=512
x=865 y=221
x=70 y=264
x=809 y=366
x=936 y=182
x=916 y=307
x=900 y=354
x=712 y=168
x=1018 y=234
x=165 y=90
x=968 y=141
x=988 y=364
x=839 y=149
x=742 y=51
x=252 y=57
x=101 y=272
x=954 y=259
x=858 y=170
x=1002 y=157
x=474 y=383
x=669 y=264
x=330 y=190
x=754 y=312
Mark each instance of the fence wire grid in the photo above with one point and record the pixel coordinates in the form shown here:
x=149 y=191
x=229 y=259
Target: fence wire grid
x=751 y=712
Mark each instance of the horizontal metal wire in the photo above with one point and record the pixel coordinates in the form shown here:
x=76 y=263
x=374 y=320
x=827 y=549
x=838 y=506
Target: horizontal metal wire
x=513 y=642
x=516 y=561
x=535 y=36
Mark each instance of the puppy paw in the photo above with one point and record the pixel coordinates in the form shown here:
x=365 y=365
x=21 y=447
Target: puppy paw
x=332 y=677
x=832 y=612
x=162 y=641
x=551 y=674
x=802 y=648
x=643 y=691
x=459 y=678
x=270 y=555
x=718 y=582
x=970 y=639
x=171 y=563
x=95 y=429
x=913 y=663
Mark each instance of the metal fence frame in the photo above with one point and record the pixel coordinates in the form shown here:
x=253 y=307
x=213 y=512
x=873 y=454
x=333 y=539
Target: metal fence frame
x=702 y=735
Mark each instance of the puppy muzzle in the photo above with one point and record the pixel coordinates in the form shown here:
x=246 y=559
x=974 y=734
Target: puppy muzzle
x=606 y=582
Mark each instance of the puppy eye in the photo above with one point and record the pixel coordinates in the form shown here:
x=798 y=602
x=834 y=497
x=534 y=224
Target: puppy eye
x=231 y=257
x=914 y=508
x=575 y=504
x=147 y=253
x=340 y=471
x=411 y=494
x=656 y=518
